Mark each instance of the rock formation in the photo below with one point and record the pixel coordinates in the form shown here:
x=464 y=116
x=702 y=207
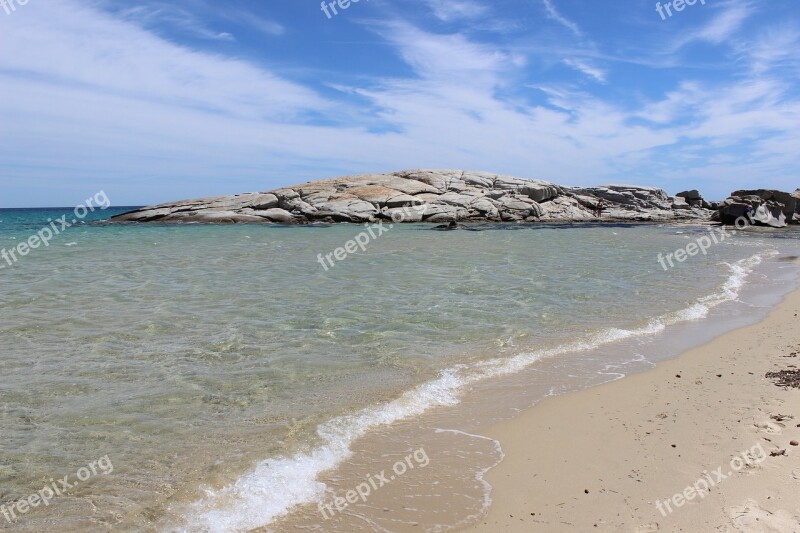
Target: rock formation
x=695 y=199
x=796 y=196
x=762 y=207
x=433 y=196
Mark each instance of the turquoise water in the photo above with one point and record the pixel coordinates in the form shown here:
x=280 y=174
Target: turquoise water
x=190 y=355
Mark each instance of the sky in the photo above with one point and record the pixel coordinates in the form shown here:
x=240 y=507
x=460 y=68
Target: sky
x=153 y=101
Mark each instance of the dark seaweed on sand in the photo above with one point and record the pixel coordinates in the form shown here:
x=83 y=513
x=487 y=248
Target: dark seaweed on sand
x=786 y=378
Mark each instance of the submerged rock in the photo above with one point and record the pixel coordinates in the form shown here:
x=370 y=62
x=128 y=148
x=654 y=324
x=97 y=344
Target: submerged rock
x=432 y=196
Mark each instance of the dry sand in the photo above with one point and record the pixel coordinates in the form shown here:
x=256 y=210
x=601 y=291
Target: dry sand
x=600 y=459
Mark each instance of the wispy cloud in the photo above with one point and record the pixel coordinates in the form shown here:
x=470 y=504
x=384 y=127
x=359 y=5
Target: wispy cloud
x=773 y=48
x=580 y=65
x=553 y=13
x=262 y=25
x=174 y=17
x=126 y=60
x=450 y=10
x=446 y=57
x=726 y=24
x=722 y=27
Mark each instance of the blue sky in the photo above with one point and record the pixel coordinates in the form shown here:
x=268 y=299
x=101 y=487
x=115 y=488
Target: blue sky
x=155 y=101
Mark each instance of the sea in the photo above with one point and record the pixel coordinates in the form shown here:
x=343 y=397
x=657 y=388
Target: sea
x=223 y=378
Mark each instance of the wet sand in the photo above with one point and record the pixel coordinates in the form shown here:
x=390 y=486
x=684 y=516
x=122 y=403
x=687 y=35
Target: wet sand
x=634 y=455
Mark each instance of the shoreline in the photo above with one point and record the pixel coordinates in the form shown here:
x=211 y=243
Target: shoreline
x=600 y=458
x=461 y=441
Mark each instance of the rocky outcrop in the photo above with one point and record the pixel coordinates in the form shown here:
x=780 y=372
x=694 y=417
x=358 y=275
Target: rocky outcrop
x=796 y=196
x=434 y=196
x=765 y=207
x=695 y=199
x=631 y=202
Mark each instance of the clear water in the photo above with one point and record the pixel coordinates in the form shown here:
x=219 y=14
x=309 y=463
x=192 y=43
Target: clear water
x=221 y=368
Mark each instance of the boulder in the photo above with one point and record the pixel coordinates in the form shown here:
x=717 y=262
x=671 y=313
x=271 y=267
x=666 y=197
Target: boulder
x=298 y=206
x=615 y=196
x=630 y=196
x=509 y=183
x=515 y=203
x=796 y=195
x=225 y=217
x=456 y=199
x=730 y=211
x=566 y=209
x=767 y=207
x=486 y=207
x=693 y=198
x=788 y=201
x=479 y=179
x=262 y=201
x=694 y=194
x=444 y=213
x=678 y=202
x=539 y=192
x=405 y=214
x=347 y=211
x=770 y=214
x=277 y=215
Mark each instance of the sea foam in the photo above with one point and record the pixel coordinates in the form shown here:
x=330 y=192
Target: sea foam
x=277 y=484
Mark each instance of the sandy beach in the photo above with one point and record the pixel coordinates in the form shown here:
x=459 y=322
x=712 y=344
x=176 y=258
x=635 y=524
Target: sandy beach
x=375 y=266
x=703 y=442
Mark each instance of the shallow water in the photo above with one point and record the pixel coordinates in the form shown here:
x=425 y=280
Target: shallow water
x=204 y=357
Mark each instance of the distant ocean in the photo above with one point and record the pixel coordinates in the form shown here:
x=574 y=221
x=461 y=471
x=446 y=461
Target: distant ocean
x=221 y=368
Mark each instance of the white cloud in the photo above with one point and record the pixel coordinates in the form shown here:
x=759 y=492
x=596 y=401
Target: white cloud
x=450 y=10
x=175 y=17
x=451 y=57
x=553 y=13
x=722 y=27
x=124 y=60
x=127 y=109
x=593 y=72
x=773 y=48
x=726 y=24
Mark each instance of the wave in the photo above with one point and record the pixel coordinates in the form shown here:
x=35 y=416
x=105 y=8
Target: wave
x=277 y=484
